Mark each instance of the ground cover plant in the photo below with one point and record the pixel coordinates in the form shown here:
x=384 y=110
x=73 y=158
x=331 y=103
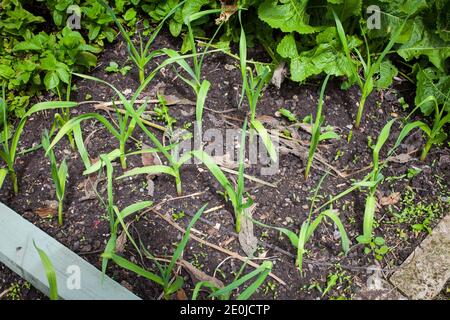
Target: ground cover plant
x=226 y=149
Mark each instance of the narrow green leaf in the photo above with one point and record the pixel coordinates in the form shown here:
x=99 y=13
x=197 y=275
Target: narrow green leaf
x=3 y=174
x=267 y=141
x=124 y=263
x=369 y=213
x=49 y=272
x=113 y=155
x=251 y=289
x=184 y=241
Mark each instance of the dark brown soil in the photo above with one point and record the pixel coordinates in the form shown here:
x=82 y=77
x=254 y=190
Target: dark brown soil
x=86 y=229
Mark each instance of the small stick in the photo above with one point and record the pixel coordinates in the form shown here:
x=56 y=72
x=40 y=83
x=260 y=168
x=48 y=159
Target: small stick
x=220 y=112
x=346 y=175
x=254 y=179
x=214 y=209
x=4 y=293
x=180 y=197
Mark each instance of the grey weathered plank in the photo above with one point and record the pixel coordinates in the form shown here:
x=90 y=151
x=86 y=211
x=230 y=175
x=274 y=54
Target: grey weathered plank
x=17 y=252
x=425 y=272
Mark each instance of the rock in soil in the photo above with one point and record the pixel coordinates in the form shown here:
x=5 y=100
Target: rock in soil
x=427 y=269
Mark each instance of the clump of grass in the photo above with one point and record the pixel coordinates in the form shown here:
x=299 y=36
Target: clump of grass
x=252 y=86
x=316 y=134
x=126 y=125
x=116 y=217
x=59 y=175
x=309 y=226
x=128 y=122
x=165 y=275
x=375 y=177
x=9 y=140
x=235 y=195
x=225 y=293
x=435 y=134
x=370 y=68
x=141 y=55
x=200 y=86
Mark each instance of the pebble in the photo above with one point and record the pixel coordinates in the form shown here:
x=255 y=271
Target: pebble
x=86 y=248
x=97 y=244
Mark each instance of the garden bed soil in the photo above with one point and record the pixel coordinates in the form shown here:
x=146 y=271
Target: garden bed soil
x=86 y=229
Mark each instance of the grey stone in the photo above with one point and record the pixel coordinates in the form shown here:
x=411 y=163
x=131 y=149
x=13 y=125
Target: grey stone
x=425 y=272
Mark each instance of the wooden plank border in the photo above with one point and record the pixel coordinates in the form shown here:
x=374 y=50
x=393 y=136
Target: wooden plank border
x=18 y=253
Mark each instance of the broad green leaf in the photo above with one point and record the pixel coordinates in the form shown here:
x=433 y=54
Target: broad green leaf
x=386 y=72
x=287 y=15
x=78 y=136
x=51 y=80
x=423 y=42
x=48 y=62
x=432 y=82
x=325 y=57
x=201 y=98
x=6 y=72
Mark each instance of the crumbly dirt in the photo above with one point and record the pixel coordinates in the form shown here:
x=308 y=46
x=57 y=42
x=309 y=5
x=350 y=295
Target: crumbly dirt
x=86 y=229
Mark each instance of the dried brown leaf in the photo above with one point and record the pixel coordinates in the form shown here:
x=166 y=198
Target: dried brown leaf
x=150 y=159
x=121 y=242
x=401 y=158
x=90 y=187
x=49 y=210
x=279 y=74
x=181 y=295
x=391 y=199
x=200 y=276
x=247 y=239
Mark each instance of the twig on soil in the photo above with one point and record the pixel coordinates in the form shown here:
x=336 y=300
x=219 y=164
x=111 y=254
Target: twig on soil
x=251 y=178
x=88 y=138
x=211 y=245
x=102 y=104
x=150 y=124
x=220 y=112
x=214 y=209
x=346 y=175
x=90 y=252
x=4 y=293
x=158 y=205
